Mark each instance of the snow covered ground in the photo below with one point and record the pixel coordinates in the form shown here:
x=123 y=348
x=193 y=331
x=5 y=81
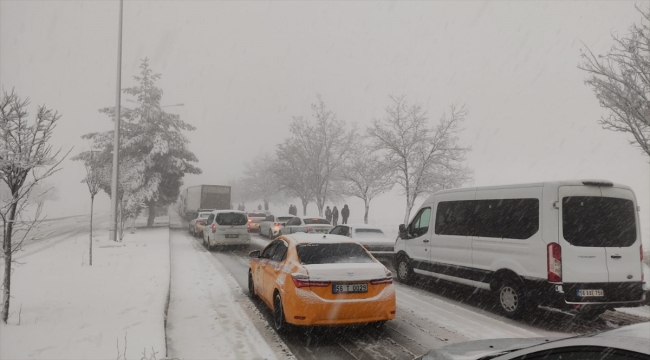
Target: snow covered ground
x=207 y=317
x=64 y=309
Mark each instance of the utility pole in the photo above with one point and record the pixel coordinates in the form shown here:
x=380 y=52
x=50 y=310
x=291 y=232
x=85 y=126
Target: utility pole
x=116 y=135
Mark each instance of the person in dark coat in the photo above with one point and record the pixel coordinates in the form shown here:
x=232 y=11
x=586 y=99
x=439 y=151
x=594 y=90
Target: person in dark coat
x=345 y=213
x=259 y=207
x=291 y=209
x=328 y=214
x=335 y=215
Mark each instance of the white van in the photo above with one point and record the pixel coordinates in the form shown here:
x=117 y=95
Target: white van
x=564 y=244
x=226 y=227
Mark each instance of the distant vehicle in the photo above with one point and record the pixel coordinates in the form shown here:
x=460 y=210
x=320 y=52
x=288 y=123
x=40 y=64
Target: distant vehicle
x=310 y=279
x=205 y=197
x=572 y=245
x=628 y=342
x=372 y=238
x=226 y=227
x=271 y=226
x=196 y=225
x=306 y=224
x=254 y=220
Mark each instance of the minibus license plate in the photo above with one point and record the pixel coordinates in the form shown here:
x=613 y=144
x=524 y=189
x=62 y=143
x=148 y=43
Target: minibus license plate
x=349 y=288
x=586 y=293
x=232 y=236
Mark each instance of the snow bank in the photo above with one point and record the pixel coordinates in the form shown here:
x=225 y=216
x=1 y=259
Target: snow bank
x=206 y=319
x=69 y=310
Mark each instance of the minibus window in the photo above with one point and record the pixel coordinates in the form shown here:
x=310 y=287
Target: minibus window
x=594 y=221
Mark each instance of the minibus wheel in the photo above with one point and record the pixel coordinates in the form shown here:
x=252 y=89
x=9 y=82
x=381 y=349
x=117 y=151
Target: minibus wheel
x=404 y=270
x=511 y=299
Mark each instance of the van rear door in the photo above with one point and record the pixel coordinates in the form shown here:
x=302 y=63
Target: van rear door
x=623 y=251
x=583 y=255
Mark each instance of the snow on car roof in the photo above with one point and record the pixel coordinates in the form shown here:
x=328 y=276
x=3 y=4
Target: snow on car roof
x=312 y=217
x=305 y=238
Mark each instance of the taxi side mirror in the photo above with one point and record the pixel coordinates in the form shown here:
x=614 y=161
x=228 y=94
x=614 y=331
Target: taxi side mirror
x=255 y=253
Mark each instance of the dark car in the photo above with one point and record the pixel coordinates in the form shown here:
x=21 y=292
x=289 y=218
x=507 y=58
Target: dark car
x=628 y=342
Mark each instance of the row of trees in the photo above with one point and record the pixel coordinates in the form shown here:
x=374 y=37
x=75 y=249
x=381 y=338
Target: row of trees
x=325 y=159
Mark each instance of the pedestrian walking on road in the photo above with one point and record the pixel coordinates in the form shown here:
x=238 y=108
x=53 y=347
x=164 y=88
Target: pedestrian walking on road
x=345 y=213
x=335 y=215
x=328 y=214
x=259 y=207
x=291 y=209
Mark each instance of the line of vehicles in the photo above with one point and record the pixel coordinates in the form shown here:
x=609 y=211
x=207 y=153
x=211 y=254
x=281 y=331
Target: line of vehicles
x=573 y=245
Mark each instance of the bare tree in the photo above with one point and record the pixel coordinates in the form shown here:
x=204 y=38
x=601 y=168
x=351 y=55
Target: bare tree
x=289 y=169
x=424 y=159
x=366 y=176
x=324 y=145
x=621 y=81
x=26 y=159
x=93 y=181
x=258 y=180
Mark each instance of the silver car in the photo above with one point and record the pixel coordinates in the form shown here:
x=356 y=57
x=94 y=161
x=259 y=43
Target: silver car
x=372 y=238
x=628 y=342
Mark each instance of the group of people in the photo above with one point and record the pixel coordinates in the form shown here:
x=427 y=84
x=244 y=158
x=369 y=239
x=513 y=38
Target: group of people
x=293 y=210
x=241 y=207
x=332 y=215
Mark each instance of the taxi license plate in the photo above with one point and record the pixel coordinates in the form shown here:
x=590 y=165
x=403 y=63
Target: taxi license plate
x=586 y=293
x=349 y=288
x=232 y=236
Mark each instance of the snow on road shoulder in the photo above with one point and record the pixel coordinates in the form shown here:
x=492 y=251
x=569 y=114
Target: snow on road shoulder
x=205 y=319
x=74 y=311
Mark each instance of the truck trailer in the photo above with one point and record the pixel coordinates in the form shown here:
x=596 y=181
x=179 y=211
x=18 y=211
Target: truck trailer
x=215 y=197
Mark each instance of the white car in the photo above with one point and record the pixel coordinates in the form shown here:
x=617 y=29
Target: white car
x=372 y=238
x=226 y=227
x=200 y=219
x=307 y=225
x=271 y=226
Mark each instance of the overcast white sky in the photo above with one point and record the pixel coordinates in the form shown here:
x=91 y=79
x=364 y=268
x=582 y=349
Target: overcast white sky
x=243 y=69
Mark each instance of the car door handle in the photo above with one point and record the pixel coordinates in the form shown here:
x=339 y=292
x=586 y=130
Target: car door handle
x=425 y=240
x=616 y=256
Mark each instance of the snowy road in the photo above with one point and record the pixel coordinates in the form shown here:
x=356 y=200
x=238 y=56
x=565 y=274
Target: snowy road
x=428 y=316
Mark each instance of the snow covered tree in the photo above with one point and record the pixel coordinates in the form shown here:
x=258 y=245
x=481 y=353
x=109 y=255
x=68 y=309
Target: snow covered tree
x=26 y=159
x=323 y=146
x=424 y=159
x=621 y=81
x=258 y=181
x=151 y=140
x=366 y=176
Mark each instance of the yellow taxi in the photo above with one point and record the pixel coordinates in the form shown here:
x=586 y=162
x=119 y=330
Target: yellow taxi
x=316 y=279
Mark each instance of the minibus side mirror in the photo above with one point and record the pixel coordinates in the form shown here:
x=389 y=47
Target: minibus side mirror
x=402 y=231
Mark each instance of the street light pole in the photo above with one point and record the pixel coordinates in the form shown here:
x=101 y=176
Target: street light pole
x=116 y=134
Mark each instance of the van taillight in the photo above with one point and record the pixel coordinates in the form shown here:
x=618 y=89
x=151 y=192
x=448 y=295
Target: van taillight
x=641 y=256
x=554 y=264
x=214 y=228
x=641 y=252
